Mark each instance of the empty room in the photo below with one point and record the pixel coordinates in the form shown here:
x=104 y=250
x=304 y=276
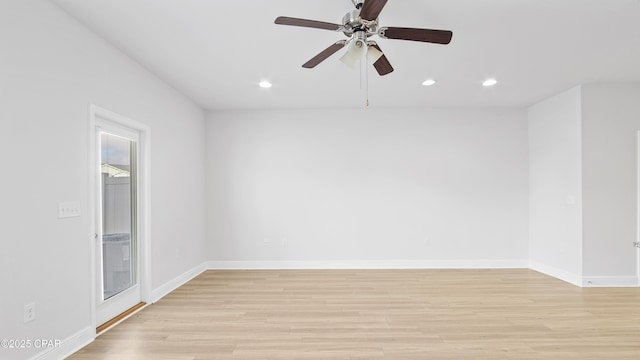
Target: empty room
x=298 y=179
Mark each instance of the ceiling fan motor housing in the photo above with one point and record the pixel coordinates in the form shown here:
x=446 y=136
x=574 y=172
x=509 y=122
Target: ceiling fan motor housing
x=353 y=23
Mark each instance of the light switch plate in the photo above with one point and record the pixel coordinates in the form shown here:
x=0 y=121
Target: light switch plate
x=68 y=209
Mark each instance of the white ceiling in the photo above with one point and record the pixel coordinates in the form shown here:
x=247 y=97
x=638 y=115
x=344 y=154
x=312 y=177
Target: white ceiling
x=216 y=52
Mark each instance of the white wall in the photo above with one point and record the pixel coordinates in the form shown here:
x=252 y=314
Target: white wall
x=555 y=186
x=611 y=120
x=368 y=187
x=51 y=69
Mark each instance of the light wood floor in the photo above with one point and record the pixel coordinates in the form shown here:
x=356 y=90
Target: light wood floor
x=379 y=314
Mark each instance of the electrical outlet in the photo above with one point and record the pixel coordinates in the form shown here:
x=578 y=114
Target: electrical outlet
x=29 y=312
x=427 y=241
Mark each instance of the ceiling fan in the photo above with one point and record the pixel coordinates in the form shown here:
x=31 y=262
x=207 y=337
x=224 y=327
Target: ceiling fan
x=360 y=24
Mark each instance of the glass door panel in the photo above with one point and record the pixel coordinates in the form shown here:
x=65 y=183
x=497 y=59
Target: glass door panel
x=118 y=208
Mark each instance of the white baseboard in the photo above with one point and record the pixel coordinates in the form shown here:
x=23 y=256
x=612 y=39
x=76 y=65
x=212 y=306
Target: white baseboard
x=368 y=264
x=610 y=281
x=68 y=346
x=564 y=275
x=163 y=290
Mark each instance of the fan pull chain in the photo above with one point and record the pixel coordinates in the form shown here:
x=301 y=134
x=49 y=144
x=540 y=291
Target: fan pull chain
x=366 y=70
x=360 y=63
x=366 y=74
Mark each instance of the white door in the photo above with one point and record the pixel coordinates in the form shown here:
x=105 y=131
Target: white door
x=117 y=247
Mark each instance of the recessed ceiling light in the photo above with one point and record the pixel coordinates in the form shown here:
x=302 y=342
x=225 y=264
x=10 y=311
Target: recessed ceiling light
x=429 y=82
x=265 y=84
x=489 y=82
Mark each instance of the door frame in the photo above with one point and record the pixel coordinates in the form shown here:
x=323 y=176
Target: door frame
x=637 y=240
x=98 y=115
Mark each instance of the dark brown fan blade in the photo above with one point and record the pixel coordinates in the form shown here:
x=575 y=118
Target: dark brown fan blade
x=424 y=35
x=382 y=65
x=283 y=20
x=324 y=54
x=371 y=9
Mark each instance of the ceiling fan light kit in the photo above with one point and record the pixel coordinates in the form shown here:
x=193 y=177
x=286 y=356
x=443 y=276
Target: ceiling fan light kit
x=360 y=24
x=357 y=49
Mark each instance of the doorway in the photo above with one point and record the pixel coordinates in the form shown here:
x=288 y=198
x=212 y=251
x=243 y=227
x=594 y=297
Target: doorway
x=120 y=236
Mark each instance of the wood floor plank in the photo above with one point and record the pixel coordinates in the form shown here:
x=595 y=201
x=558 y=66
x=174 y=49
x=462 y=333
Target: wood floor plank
x=378 y=314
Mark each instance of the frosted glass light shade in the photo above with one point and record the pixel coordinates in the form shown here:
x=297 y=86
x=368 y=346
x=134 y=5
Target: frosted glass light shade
x=354 y=54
